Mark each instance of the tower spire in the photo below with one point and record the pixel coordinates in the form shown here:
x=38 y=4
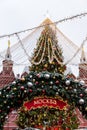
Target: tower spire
x=83 y=58
x=8 y=53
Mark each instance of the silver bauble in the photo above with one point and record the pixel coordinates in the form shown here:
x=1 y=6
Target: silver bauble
x=30 y=76
x=13 y=82
x=67 y=82
x=51 y=82
x=75 y=90
x=30 y=84
x=0 y=93
x=47 y=76
x=86 y=90
x=7 y=96
x=57 y=93
x=81 y=101
x=82 y=82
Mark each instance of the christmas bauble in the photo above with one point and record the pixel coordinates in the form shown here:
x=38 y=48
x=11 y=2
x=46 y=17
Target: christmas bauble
x=81 y=95
x=5 y=102
x=51 y=82
x=14 y=88
x=8 y=88
x=22 y=87
x=30 y=90
x=46 y=65
x=13 y=82
x=38 y=75
x=25 y=91
x=57 y=81
x=82 y=82
x=47 y=76
x=81 y=101
x=86 y=108
x=7 y=96
x=57 y=93
x=34 y=80
x=0 y=93
x=67 y=82
x=8 y=106
x=75 y=90
x=86 y=90
x=30 y=76
x=22 y=79
x=30 y=84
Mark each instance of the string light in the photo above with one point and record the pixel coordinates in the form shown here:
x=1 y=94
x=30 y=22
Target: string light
x=22 y=45
x=57 y=22
x=77 y=50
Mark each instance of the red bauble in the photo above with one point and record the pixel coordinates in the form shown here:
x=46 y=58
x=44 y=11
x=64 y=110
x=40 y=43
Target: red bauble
x=43 y=91
x=81 y=95
x=36 y=82
x=8 y=88
x=38 y=75
x=30 y=90
x=22 y=87
x=57 y=82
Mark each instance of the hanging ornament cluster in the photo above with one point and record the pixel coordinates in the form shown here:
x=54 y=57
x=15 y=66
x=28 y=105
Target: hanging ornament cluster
x=42 y=84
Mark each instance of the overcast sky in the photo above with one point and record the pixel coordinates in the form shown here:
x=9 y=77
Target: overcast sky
x=16 y=15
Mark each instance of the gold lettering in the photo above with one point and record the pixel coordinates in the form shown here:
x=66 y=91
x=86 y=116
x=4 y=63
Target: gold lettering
x=45 y=101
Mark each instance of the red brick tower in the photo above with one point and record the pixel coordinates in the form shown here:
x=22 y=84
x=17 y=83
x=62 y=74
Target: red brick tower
x=7 y=76
x=83 y=67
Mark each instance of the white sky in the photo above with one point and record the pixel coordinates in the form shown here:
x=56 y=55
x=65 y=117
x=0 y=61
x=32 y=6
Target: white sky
x=16 y=15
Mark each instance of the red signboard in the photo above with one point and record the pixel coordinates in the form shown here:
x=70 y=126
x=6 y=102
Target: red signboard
x=45 y=102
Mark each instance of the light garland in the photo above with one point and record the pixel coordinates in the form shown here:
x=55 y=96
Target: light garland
x=22 y=46
x=77 y=50
x=40 y=46
x=50 y=57
x=57 y=22
x=37 y=63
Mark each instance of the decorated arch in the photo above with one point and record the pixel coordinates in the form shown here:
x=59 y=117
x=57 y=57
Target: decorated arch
x=45 y=97
x=37 y=90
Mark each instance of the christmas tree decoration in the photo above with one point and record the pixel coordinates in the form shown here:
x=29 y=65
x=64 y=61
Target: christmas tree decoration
x=29 y=84
x=86 y=90
x=82 y=82
x=67 y=82
x=81 y=101
x=48 y=55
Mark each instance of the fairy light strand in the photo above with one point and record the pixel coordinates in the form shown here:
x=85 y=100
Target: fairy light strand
x=57 y=22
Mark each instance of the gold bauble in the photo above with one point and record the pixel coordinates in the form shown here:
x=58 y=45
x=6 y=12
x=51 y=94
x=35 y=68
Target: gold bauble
x=86 y=108
x=52 y=63
x=22 y=79
x=42 y=81
x=53 y=77
x=5 y=102
x=14 y=88
x=46 y=65
x=44 y=114
x=34 y=80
